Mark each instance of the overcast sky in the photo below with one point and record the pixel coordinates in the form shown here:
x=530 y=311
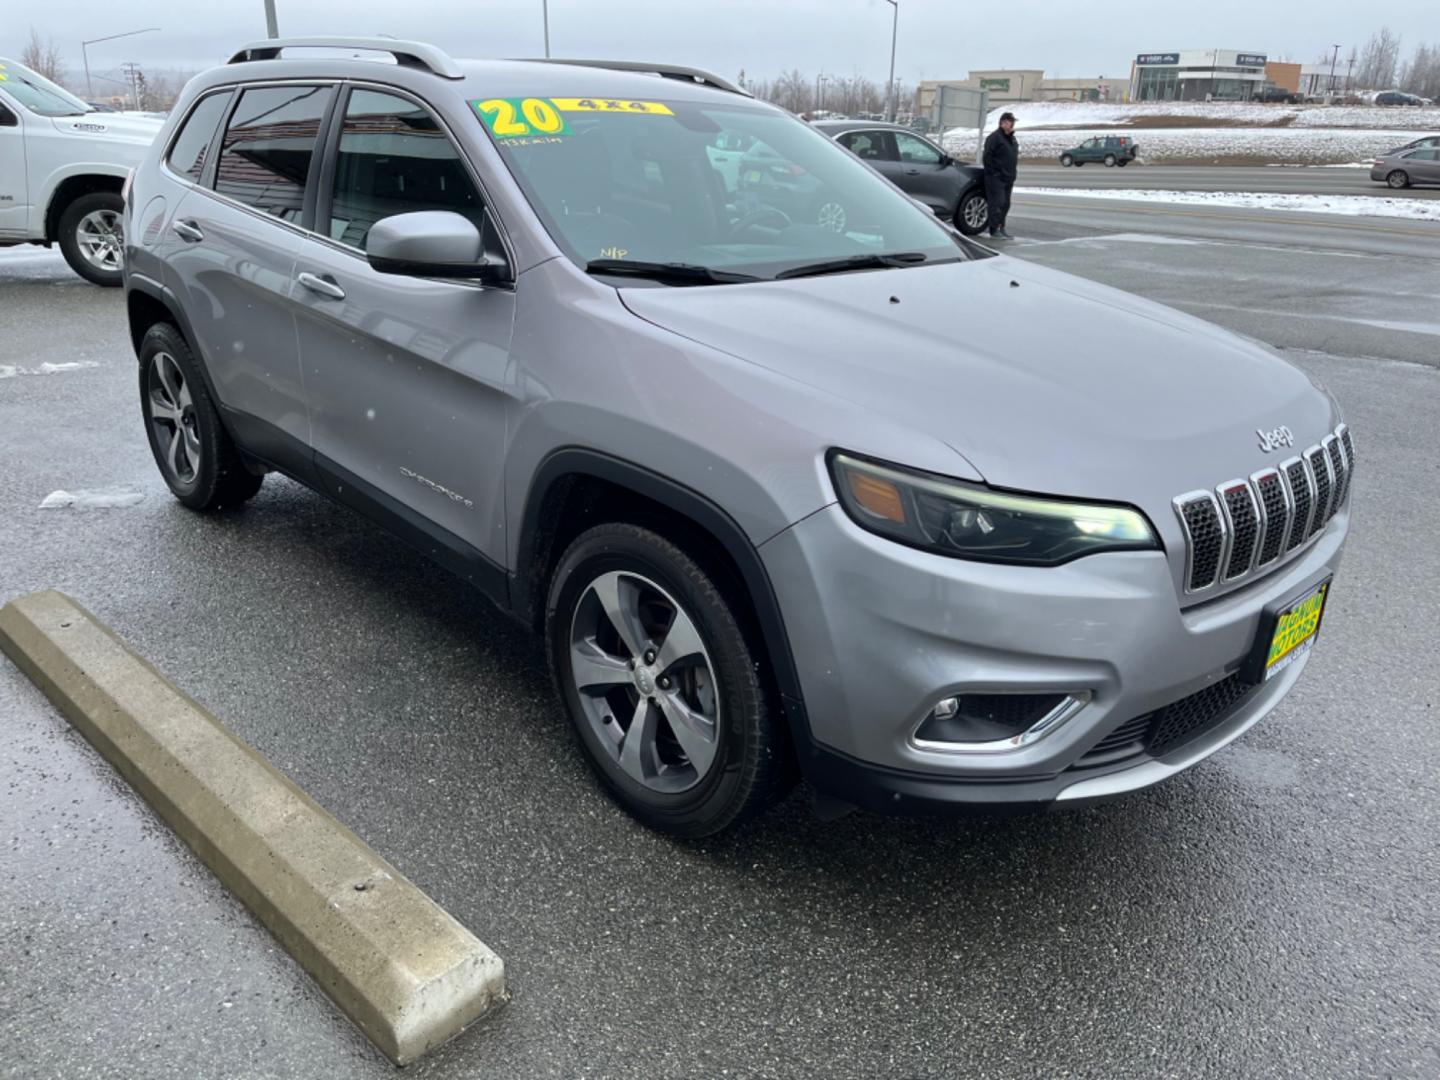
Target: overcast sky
x=937 y=38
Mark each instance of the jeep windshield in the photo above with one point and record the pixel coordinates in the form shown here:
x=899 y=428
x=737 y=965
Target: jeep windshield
x=37 y=93
x=741 y=190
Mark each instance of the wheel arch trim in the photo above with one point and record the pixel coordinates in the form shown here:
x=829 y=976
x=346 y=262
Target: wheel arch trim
x=705 y=514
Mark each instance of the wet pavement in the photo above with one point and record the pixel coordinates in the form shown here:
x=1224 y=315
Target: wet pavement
x=1270 y=913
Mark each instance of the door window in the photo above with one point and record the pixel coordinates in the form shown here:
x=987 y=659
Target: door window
x=394 y=159
x=266 y=153
x=916 y=151
x=187 y=155
x=871 y=145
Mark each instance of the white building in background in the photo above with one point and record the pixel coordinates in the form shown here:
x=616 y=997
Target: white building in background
x=1197 y=75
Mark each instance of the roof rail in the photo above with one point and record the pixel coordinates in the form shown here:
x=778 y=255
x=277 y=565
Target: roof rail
x=668 y=71
x=414 y=54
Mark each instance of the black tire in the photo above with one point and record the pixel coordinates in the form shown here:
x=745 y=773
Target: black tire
x=752 y=764
x=1120 y=163
x=108 y=202
x=1109 y=161
x=1398 y=178
x=1079 y=164
x=1066 y=160
x=220 y=477
x=973 y=213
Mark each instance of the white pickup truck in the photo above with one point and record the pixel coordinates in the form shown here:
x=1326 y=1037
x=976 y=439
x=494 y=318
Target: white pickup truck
x=62 y=165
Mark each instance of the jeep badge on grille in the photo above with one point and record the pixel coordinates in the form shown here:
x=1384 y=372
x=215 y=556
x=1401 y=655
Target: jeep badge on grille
x=1275 y=438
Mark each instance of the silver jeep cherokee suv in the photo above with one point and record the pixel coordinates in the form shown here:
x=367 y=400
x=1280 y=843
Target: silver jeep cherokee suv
x=858 y=504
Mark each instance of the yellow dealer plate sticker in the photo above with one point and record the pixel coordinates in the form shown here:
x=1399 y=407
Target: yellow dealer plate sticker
x=1295 y=630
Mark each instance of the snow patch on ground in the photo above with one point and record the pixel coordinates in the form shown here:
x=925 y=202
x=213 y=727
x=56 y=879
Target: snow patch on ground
x=1296 y=146
x=1348 y=205
x=1037 y=114
x=11 y=371
x=92 y=499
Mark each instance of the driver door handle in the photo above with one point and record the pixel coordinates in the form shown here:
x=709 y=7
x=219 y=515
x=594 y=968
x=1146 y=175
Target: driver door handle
x=325 y=286
x=912 y=172
x=187 y=230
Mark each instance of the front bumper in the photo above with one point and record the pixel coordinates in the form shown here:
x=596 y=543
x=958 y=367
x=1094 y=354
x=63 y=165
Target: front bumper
x=880 y=632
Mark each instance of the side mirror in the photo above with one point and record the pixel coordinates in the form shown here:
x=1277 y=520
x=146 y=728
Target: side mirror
x=431 y=243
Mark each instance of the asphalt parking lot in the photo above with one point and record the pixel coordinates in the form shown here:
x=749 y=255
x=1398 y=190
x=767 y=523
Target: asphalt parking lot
x=1273 y=912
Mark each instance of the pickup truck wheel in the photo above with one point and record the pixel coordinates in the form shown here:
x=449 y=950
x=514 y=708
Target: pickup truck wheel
x=661 y=684
x=1109 y=161
x=196 y=457
x=972 y=213
x=91 y=238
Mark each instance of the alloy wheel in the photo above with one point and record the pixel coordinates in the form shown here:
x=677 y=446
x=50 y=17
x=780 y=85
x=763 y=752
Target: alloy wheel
x=645 y=681
x=831 y=215
x=172 y=417
x=100 y=238
x=976 y=212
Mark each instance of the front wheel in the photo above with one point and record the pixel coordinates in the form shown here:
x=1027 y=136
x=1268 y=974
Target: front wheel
x=196 y=456
x=1066 y=160
x=1398 y=179
x=972 y=214
x=91 y=238
x=662 y=687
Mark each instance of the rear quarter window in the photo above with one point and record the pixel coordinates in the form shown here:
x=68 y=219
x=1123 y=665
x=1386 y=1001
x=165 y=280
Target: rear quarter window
x=192 y=145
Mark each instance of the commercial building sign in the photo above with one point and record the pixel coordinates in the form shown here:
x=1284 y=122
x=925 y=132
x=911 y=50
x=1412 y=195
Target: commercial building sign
x=1002 y=85
x=1249 y=59
x=1171 y=58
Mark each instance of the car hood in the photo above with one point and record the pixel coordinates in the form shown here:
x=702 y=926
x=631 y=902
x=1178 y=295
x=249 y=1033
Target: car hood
x=100 y=126
x=1042 y=381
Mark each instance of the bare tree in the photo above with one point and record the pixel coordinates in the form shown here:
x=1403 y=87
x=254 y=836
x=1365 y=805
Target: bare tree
x=1421 y=74
x=43 y=57
x=1379 y=60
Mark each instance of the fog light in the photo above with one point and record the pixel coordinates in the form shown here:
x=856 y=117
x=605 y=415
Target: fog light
x=988 y=723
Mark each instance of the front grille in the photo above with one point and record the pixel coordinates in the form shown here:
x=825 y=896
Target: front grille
x=1253 y=523
x=1171 y=727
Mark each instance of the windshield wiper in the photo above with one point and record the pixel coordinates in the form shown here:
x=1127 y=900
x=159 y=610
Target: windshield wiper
x=854 y=262
x=677 y=273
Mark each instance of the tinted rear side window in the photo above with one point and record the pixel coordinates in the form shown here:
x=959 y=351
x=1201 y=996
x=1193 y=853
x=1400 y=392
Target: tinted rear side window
x=187 y=156
x=267 y=149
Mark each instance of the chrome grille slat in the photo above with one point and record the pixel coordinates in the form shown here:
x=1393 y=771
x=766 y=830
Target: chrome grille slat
x=1245 y=525
x=1319 y=463
x=1242 y=516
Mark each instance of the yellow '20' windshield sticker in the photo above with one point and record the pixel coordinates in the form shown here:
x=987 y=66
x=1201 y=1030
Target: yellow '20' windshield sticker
x=530 y=118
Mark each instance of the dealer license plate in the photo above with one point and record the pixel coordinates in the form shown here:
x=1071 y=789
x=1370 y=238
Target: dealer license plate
x=1295 y=629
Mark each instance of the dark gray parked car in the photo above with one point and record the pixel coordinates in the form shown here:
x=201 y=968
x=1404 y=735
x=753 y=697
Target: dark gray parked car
x=953 y=189
x=875 y=506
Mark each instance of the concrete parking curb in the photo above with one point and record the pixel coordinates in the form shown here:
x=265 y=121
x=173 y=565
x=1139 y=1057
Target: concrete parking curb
x=395 y=962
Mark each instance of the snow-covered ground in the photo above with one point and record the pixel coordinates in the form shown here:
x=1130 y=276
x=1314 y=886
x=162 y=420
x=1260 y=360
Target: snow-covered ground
x=1036 y=114
x=1350 y=205
x=1299 y=146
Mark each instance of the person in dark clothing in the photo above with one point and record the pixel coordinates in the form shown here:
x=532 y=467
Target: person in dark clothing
x=1002 y=156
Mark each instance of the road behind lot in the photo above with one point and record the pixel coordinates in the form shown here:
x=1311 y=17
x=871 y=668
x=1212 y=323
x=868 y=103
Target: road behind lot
x=1312 y=180
x=1271 y=913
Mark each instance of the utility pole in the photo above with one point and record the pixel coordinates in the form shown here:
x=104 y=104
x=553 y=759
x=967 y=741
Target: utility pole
x=132 y=71
x=85 y=56
x=890 y=87
x=545 y=12
x=1331 y=88
x=1349 y=68
x=272 y=24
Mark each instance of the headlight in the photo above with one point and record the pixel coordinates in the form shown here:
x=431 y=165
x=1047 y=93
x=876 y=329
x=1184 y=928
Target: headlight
x=971 y=522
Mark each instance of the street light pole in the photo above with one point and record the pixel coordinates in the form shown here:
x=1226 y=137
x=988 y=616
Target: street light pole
x=890 y=91
x=85 y=57
x=1334 y=58
x=545 y=11
x=272 y=25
